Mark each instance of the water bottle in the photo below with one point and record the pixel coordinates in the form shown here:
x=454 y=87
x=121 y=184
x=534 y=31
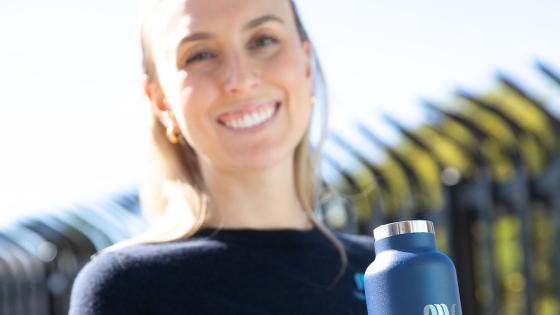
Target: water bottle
x=409 y=275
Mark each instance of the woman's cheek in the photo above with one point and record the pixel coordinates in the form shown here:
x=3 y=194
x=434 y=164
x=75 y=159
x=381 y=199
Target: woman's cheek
x=197 y=92
x=289 y=66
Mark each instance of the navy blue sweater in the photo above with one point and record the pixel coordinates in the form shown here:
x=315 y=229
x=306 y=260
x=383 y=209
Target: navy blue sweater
x=241 y=272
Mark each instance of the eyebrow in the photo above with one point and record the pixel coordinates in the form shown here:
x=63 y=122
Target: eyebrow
x=251 y=24
x=263 y=19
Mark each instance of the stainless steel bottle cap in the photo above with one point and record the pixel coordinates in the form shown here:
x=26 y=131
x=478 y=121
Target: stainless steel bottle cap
x=403 y=227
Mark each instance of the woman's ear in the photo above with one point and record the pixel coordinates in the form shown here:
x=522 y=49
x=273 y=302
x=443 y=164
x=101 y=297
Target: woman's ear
x=160 y=108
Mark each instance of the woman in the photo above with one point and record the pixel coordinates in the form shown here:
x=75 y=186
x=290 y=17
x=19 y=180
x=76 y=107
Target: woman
x=230 y=85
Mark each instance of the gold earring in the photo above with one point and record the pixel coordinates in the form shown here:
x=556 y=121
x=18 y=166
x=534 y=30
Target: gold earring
x=313 y=101
x=173 y=134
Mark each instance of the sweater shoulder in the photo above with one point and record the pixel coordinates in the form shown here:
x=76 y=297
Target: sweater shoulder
x=112 y=281
x=104 y=285
x=355 y=242
x=359 y=248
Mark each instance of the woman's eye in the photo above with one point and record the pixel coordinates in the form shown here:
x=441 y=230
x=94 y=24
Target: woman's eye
x=202 y=56
x=263 y=41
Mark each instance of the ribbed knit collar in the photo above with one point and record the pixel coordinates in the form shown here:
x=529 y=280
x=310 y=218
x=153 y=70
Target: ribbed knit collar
x=288 y=237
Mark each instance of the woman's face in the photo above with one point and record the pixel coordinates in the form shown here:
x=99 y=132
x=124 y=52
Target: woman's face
x=236 y=76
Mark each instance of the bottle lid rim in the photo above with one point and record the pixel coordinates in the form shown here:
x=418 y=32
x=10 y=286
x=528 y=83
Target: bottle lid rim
x=403 y=227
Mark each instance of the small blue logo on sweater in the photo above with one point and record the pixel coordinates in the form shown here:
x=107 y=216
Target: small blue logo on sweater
x=359 y=293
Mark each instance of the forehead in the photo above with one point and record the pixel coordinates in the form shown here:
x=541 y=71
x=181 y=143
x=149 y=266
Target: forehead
x=173 y=19
x=202 y=10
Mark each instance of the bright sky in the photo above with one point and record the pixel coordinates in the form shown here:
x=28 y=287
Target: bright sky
x=72 y=119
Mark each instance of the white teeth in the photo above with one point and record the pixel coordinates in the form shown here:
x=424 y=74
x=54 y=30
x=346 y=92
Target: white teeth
x=247 y=120
x=252 y=119
x=256 y=118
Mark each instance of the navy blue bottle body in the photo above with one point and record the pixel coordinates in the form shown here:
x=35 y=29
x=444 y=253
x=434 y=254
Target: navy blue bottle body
x=411 y=277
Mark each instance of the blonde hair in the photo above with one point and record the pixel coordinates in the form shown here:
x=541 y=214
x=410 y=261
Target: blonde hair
x=174 y=181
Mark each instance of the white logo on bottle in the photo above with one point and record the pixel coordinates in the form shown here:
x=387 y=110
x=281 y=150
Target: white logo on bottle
x=439 y=309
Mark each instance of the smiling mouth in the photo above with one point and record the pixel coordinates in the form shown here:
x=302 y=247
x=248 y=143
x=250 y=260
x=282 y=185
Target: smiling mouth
x=247 y=119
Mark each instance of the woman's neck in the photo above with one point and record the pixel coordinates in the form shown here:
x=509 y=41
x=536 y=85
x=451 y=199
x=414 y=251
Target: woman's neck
x=260 y=200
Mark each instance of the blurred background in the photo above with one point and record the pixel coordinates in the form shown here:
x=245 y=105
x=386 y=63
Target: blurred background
x=439 y=81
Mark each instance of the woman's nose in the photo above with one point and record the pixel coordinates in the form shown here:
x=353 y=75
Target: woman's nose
x=241 y=74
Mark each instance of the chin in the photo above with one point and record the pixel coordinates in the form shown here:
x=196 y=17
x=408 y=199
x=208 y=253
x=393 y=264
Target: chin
x=262 y=162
